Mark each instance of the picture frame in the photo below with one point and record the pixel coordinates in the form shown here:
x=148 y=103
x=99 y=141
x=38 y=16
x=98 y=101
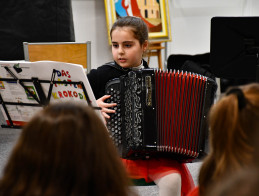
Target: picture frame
x=154 y=12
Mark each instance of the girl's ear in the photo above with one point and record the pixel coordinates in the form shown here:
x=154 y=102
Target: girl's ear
x=145 y=46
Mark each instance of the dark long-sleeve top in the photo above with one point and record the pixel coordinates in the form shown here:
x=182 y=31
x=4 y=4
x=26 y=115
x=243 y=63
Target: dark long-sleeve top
x=100 y=76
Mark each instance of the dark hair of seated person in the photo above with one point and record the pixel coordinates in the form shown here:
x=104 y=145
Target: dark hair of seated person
x=65 y=149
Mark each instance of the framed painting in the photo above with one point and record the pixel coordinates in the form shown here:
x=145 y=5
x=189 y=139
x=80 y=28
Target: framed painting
x=154 y=12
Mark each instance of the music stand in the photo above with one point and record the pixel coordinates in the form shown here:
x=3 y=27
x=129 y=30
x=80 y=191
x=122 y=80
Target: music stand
x=234 y=48
x=26 y=87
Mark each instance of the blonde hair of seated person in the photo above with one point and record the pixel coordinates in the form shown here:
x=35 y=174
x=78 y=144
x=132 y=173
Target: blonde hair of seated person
x=233 y=123
x=65 y=150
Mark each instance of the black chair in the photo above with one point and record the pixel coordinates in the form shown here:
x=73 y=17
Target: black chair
x=176 y=61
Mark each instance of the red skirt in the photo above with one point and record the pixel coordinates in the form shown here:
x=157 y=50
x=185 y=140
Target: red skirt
x=194 y=192
x=152 y=169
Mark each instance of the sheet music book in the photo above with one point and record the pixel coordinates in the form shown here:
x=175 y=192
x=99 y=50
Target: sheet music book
x=12 y=91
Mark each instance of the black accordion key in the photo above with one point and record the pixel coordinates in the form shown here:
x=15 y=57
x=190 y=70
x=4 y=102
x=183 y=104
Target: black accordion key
x=114 y=124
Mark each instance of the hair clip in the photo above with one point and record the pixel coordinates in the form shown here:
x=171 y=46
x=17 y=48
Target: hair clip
x=240 y=97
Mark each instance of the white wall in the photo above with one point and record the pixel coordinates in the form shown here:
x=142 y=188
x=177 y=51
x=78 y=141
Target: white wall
x=190 y=24
x=90 y=25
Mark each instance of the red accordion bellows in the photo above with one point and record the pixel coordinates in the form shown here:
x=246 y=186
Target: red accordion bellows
x=179 y=102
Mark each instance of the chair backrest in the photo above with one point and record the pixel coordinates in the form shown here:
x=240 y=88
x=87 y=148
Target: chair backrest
x=70 y=52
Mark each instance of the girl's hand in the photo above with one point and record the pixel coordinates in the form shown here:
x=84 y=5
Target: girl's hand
x=105 y=106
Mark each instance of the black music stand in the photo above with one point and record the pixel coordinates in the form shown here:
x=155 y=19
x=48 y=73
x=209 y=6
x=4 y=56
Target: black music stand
x=41 y=99
x=234 y=48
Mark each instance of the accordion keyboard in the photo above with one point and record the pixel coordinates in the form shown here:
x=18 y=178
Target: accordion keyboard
x=114 y=124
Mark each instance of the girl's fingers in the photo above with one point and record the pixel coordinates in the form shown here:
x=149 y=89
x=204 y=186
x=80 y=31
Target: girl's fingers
x=103 y=98
x=108 y=111
x=102 y=104
x=109 y=105
x=105 y=115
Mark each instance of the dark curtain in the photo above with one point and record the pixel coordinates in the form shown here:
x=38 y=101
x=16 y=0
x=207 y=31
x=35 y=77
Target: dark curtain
x=33 y=21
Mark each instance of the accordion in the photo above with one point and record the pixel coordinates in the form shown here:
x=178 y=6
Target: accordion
x=160 y=113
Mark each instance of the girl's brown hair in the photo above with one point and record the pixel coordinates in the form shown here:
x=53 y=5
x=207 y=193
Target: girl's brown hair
x=64 y=150
x=233 y=122
x=138 y=26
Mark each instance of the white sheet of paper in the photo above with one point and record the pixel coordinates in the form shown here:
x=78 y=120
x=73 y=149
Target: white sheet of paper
x=42 y=70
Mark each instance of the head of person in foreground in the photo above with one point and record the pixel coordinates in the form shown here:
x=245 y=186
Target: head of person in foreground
x=233 y=124
x=65 y=149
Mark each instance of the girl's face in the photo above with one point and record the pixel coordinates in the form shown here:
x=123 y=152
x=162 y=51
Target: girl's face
x=126 y=49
